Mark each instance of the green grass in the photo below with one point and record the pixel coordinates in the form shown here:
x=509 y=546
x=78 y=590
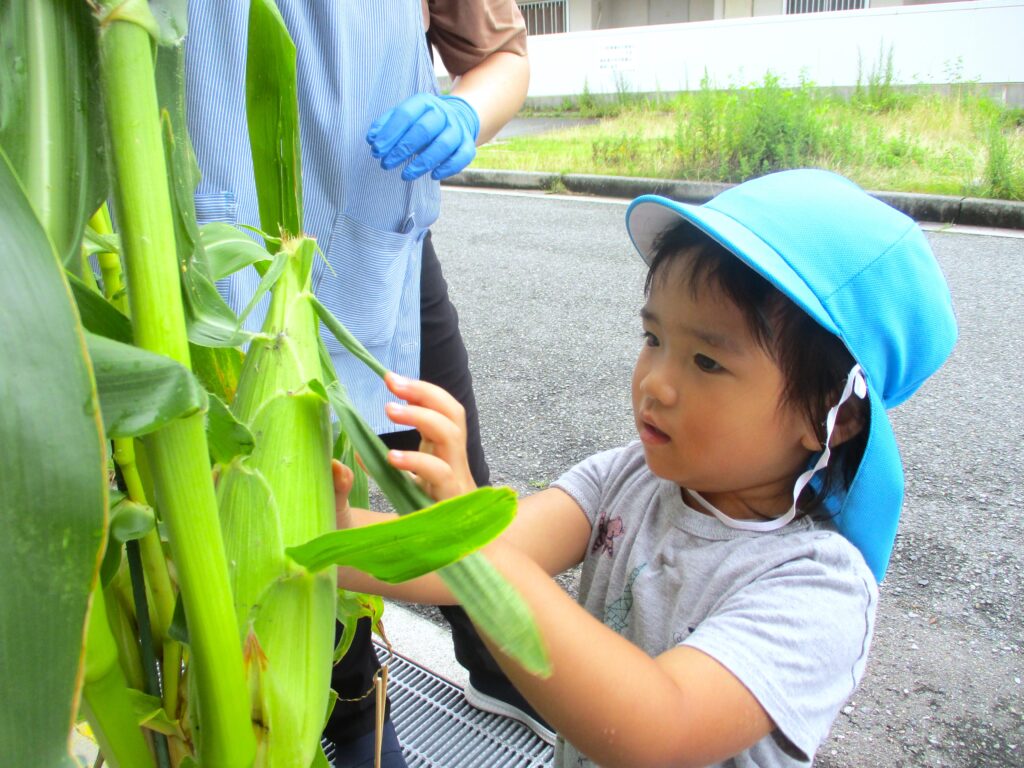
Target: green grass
x=884 y=138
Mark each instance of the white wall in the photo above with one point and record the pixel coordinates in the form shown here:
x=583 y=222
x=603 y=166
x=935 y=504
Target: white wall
x=981 y=40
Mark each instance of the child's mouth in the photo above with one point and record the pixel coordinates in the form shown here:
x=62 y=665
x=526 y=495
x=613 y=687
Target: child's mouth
x=651 y=435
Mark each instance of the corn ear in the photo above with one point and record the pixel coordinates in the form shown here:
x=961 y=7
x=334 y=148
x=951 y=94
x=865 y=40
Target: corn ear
x=282 y=495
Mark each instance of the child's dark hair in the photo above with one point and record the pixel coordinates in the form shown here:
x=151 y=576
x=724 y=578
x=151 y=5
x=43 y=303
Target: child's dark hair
x=814 y=362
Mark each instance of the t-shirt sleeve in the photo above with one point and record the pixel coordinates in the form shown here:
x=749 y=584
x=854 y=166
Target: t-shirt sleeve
x=798 y=639
x=465 y=32
x=593 y=480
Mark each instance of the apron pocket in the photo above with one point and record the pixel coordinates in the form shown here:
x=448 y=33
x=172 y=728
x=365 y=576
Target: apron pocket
x=364 y=285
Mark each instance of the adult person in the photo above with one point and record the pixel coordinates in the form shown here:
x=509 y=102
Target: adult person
x=377 y=136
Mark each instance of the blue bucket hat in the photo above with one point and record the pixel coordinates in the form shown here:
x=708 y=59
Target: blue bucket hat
x=865 y=273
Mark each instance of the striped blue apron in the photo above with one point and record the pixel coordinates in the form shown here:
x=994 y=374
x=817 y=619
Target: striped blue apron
x=355 y=61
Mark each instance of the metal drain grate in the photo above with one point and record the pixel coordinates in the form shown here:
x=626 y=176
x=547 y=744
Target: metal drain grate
x=438 y=729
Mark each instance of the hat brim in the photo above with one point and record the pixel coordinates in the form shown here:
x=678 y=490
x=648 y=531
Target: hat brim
x=650 y=215
x=868 y=514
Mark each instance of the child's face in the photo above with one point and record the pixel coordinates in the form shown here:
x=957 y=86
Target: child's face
x=707 y=402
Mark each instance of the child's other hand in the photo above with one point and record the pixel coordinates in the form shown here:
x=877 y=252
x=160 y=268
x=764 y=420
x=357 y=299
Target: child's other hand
x=441 y=465
x=343 y=479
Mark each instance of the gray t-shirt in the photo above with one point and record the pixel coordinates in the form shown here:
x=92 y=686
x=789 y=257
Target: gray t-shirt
x=790 y=613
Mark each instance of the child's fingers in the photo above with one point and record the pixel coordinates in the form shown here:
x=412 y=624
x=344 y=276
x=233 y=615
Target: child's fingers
x=343 y=479
x=426 y=395
x=435 y=475
x=433 y=427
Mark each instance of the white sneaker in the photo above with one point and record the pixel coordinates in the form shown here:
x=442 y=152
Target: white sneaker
x=523 y=714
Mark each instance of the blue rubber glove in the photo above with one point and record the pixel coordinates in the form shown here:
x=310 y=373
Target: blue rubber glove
x=440 y=131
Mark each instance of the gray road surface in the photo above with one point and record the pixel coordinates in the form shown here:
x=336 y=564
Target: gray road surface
x=549 y=292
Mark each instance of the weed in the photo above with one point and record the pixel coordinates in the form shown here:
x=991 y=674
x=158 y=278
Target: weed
x=1004 y=178
x=958 y=142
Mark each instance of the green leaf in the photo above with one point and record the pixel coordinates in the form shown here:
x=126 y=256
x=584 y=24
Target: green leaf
x=51 y=117
x=493 y=605
x=210 y=320
x=179 y=623
x=228 y=249
x=250 y=521
x=267 y=282
x=344 y=451
x=227 y=436
x=130 y=521
x=171 y=18
x=353 y=606
x=497 y=611
x=150 y=713
x=98 y=315
x=418 y=543
x=218 y=368
x=272 y=109
x=54 y=491
x=141 y=391
x=345 y=337
x=404 y=495
x=93 y=242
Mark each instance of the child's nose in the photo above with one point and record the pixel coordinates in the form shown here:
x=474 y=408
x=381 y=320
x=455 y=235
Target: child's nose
x=659 y=385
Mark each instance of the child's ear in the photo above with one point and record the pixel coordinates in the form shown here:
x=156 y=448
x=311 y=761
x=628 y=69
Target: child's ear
x=852 y=418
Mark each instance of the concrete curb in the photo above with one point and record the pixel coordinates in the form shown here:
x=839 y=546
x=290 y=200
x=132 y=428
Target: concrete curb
x=946 y=209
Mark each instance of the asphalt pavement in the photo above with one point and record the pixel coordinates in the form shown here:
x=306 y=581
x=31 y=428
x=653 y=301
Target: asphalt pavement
x=549 y=290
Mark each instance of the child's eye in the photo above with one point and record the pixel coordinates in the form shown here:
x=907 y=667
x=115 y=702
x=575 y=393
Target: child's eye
x=649 y=339
x=706 y=364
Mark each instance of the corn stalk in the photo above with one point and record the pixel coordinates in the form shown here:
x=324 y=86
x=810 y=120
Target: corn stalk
x=178 y=453
x=246 y=597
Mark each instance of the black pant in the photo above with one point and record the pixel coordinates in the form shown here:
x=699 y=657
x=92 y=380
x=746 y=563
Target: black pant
x=443 y=361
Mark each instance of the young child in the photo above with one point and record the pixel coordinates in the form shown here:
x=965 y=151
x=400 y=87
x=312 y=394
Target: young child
x=731 y=555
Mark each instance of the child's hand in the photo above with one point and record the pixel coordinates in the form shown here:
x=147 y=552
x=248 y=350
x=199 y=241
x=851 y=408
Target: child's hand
x=343 y=479
x=441 y=465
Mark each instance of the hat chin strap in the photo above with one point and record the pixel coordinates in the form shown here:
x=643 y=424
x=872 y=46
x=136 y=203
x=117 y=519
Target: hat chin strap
x=856 y=384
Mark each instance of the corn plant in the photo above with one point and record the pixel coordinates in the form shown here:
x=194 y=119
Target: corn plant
x=186 y=610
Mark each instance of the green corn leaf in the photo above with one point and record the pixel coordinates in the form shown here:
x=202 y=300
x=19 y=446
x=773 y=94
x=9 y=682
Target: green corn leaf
x=179 y=624
x=267 y=282
x=98 y=315
x=359 y=494
x=228 y=249
x=130 y=521
x=171 y=18
x=106 y=698
x=498 y=611
x=272 y=109
x=50 y=115
x=401 y=491
x=249 y=518
x=294 y=625
x=493 y=605
x=218 y=368
x=150 y=713
x=50 y=420
x=227 y=436
x=210 y=320
x=345 y=337
x=141 y=391
x=417 y=543
x=111 y=562
x=353 y=606
x=93 y=242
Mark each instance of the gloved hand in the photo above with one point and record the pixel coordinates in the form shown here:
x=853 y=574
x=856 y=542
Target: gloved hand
x=440 y=131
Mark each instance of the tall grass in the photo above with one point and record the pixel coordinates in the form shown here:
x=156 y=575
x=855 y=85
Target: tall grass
x=884 y=137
